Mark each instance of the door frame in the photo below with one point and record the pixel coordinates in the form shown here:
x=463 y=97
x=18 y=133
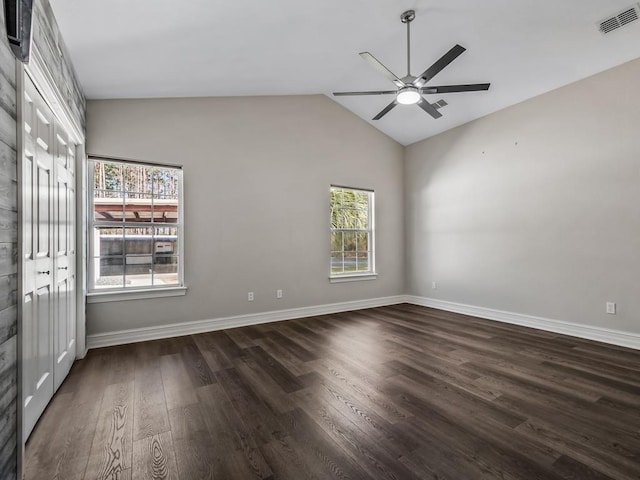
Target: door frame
x=45 y=83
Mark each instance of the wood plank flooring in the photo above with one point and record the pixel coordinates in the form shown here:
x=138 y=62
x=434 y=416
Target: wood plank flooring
x=401 y=392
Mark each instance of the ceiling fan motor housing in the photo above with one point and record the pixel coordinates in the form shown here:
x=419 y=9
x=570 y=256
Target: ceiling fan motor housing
x=408 y=16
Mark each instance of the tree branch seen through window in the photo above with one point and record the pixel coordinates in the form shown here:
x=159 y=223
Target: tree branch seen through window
x=351 y=231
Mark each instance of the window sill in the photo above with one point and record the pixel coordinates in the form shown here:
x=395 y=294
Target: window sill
x=353 y=278
x=101 y=297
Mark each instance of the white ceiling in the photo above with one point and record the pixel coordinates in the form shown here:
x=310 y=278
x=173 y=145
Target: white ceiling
x=169 y=48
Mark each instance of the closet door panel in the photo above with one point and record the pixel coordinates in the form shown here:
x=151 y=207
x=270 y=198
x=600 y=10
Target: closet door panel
x=64 y=320
x=48 y=259
x=38 y=216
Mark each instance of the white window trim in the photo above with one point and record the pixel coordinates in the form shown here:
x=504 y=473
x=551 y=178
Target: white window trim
x=121 y=293
x=352 y=277
x=372 y=274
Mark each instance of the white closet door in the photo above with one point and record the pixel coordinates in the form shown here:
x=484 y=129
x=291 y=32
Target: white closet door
x=49 y=256
x=38 y=258
x=64 y=258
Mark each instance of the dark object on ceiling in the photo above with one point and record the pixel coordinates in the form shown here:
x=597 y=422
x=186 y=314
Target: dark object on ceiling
x=17 y=19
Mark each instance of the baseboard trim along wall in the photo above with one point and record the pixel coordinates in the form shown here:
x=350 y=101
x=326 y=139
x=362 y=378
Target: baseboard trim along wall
x=201 y=326
x=615 y=337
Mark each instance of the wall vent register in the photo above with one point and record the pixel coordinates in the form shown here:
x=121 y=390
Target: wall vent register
x=621 y=19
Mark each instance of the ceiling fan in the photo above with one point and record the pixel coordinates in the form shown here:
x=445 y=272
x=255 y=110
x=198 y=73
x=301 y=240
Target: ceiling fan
x=410 y=89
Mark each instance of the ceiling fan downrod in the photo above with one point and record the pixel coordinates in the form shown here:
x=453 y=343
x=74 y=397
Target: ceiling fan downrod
x=407 y=17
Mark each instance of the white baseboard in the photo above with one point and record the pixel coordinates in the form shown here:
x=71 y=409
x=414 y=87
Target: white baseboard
x=189 y=328
x=614 y=337
x=605 y=335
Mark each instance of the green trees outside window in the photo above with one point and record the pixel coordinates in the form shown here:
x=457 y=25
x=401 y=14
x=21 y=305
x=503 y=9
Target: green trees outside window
x=351 y=231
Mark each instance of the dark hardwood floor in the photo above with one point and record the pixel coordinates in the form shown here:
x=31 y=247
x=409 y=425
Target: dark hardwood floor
x=400 y=392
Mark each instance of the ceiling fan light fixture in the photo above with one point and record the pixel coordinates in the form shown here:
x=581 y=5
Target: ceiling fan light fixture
x=409 y=89
x=408 y=96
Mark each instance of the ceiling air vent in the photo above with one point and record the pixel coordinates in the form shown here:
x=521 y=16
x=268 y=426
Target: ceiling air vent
x=628 y=15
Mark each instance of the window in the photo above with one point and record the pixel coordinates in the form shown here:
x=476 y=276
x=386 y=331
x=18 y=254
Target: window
x=352 y=239
x=135 y=226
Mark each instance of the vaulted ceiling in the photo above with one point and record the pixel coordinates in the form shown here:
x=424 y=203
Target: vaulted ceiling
x=164 y=48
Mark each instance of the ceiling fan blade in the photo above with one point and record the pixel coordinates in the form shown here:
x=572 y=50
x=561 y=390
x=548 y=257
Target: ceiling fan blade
x=439 y=104
x=377 y=64
x=430 y=109
x=437 y=67
x=386 y=110
x=474 y=87
x=379 y=92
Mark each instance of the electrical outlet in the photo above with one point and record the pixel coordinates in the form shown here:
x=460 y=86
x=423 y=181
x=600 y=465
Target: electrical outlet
x=434 y=285
x=611 y=308
x=278 y=293
x=250 y=296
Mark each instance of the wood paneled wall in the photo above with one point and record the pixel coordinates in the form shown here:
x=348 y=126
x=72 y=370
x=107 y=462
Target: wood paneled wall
x=8 y=258
x=48 y=41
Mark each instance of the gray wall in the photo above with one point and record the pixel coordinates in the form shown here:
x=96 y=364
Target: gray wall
x=257 y=172
x=534 y=209
x=8 y=258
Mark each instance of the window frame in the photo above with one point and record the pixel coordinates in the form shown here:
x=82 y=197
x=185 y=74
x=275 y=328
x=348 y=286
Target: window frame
x=122 y=292
x=371 y=273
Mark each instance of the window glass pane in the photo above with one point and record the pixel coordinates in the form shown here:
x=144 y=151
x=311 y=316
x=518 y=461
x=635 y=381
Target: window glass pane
x=361 y=199
x=108 y=241
x=363 y=262
x=336 y=241
x=336 y=198
x=138 y=274
x=336 y=217
x=107 y=177
x=362 y=219
x=349 y=241
x=362 y=241
x=165 y=183
x=165 y=270
x=165 y=241
x=337 y=262
x=165 y=209
x=349 y=262
x=342 y=220
x=108 y=206
x=348 y=199
x=138 y=208
x=138 y=241
x=138 y=256
x=108 y=272
x=350 y=217
x=137 y=180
